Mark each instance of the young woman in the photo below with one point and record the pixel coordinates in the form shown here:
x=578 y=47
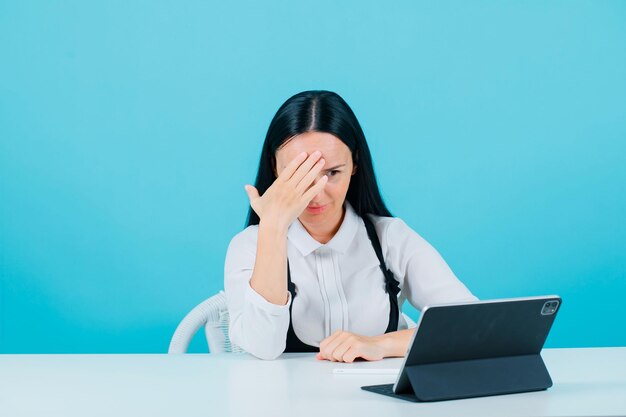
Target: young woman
x=323 y=266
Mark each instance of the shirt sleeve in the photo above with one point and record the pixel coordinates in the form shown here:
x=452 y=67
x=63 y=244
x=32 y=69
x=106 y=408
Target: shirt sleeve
x=256 y=325
x=424 y=276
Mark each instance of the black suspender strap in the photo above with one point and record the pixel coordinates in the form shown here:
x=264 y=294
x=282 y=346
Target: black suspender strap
x=392 y=287
x=293 y=343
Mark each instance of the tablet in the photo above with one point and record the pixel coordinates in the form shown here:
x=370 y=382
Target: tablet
x=476 y=349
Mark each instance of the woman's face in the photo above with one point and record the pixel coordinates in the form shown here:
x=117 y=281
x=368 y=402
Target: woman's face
x=326 y=208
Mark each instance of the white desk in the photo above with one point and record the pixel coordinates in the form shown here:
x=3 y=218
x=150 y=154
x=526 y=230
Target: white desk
x=586 y=382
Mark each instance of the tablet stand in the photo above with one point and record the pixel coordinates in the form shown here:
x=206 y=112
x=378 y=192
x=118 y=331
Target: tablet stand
x=478 y=377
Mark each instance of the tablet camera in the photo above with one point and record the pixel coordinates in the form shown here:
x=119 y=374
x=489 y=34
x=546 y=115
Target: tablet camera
x=549 y=307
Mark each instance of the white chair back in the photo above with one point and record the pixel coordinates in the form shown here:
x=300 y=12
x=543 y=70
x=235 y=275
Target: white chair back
x=212 y=313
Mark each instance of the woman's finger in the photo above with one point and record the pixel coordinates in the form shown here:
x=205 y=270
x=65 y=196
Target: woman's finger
x=308 y=179
x=340 y=350
x=305 y=167
x=317 y=188
x=252 y=192
x=350 y=355
x=323 y=354
x=329 y=339
x=332 y=345
x=292 y=166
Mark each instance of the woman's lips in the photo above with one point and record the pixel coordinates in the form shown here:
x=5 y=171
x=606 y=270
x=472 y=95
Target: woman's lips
x=316 y=209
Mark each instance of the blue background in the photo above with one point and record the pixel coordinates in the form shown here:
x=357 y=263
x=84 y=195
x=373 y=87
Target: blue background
x=128 y=129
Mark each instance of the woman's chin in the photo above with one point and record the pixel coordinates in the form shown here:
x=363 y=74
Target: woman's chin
x=312 y=218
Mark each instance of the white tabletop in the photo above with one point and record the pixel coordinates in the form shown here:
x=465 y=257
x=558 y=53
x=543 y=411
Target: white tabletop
x=587 y=382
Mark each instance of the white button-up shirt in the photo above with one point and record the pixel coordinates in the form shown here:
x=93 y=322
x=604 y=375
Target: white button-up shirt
x=340 y=285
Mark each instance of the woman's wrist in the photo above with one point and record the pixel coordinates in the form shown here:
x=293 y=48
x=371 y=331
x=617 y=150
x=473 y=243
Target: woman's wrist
x=275 y=226
x=395 y=344
x=386 y=344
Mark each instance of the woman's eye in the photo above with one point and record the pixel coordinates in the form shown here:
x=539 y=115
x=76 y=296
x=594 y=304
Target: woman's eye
x=333 y=173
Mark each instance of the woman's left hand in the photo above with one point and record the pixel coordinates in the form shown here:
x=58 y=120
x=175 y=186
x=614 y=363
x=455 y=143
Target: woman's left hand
x=346 y=347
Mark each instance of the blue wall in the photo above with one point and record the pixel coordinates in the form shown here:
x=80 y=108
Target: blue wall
x=128 y=129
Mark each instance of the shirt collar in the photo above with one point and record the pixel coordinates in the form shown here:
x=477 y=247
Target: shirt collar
x=305 y=243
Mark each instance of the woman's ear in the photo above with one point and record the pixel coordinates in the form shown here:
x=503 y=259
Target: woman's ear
x=273 y=162
x=353 y=170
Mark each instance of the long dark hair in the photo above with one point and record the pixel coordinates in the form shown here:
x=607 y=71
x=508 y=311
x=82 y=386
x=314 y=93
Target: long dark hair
x=322 y=111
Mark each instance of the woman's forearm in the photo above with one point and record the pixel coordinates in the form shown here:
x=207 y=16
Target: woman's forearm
x=396 y=344
x=269 y=277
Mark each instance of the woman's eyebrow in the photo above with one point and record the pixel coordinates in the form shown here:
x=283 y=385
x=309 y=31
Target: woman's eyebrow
x=335 y=167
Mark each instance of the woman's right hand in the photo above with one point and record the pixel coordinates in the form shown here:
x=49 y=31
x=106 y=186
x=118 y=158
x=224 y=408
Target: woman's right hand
x=291 y=192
